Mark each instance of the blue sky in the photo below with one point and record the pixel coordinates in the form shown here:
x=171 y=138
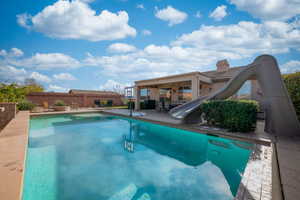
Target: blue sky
x=107 y=44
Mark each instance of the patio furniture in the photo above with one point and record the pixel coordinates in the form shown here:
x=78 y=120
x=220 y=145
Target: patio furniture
x=38 y=109
x=163 y=105
x=45 y=105
x=160 y=106
x=167 y=106
x=74 y=106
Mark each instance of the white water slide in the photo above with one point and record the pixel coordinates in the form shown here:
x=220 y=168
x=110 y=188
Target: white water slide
x=280 y=115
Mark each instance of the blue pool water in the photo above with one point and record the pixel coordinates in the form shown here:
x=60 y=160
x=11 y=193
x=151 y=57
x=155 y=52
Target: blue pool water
x=100 y=157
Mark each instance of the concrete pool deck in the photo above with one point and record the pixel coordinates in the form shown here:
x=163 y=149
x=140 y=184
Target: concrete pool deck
x=256 y=182
x=13 y=145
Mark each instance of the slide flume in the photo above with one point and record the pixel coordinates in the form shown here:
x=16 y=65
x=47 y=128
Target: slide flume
x=280 y=119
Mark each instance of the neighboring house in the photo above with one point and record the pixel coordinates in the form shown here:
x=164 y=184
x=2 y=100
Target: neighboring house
x=181 y=88
x=83 y=98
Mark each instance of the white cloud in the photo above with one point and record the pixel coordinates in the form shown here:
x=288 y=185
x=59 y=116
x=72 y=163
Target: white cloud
x=64 y=77
x=23 y=20
x=171 y=15
x=269 y=9
x=195 y=51
x=14 y=52
x=46 y=61
x=40 y=77
x=121 y=48
x=244 y=39
x=11 y=74
x=198 y=14
x=3 y=53
x=153 y=61
x=87 y=1
x=76 y=20
x=200 y=49
x=290 y=67
x=219 y=13
x=146 y=32
x=112 y=85
x=57 y=88
x=140 y=6
x=40 y=61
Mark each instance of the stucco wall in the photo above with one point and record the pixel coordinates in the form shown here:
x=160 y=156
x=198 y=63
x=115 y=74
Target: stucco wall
x=83 y=100
x=7 y=112
x=205 y=89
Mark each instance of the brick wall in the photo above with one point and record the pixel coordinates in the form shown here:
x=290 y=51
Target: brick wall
x=83 y=100
x=7 y=112
x=222 y=65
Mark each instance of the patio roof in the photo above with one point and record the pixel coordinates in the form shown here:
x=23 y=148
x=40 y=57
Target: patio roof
x=174 y=78
x=206 y=77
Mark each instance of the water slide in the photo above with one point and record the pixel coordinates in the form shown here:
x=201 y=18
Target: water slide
x=280 y=115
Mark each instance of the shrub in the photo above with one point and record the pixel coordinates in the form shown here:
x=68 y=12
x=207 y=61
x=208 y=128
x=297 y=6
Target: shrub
x=25 y=105
x=59 y=103
x=233 y=115
x=292 y=83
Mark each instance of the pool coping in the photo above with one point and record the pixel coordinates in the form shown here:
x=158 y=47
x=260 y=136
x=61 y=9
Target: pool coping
x=256 y=182
x=18 y=192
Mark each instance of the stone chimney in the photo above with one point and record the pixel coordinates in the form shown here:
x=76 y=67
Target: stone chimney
x=222 y=65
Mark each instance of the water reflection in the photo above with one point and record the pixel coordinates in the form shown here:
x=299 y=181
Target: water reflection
x=230 y=157
x=107 y=157
x=129 y=140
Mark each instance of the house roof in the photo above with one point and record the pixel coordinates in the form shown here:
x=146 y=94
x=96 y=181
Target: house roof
x=213 y=75
x=220 y=75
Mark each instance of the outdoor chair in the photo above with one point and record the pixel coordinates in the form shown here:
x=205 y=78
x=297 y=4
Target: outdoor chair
x=74 y=106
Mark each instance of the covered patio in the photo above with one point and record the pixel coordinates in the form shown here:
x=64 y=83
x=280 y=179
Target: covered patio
x=169 y=91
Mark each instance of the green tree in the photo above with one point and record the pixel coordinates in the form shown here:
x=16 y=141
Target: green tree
x=30 y=85
x=11 y=93
x=16 y=93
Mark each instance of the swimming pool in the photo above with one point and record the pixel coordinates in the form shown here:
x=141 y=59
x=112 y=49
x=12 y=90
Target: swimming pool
x=102 y=157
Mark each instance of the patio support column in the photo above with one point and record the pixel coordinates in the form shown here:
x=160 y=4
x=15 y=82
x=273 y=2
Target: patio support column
x=137 y=97
x=175 y=94
x=195 y=87
x=154 y=94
